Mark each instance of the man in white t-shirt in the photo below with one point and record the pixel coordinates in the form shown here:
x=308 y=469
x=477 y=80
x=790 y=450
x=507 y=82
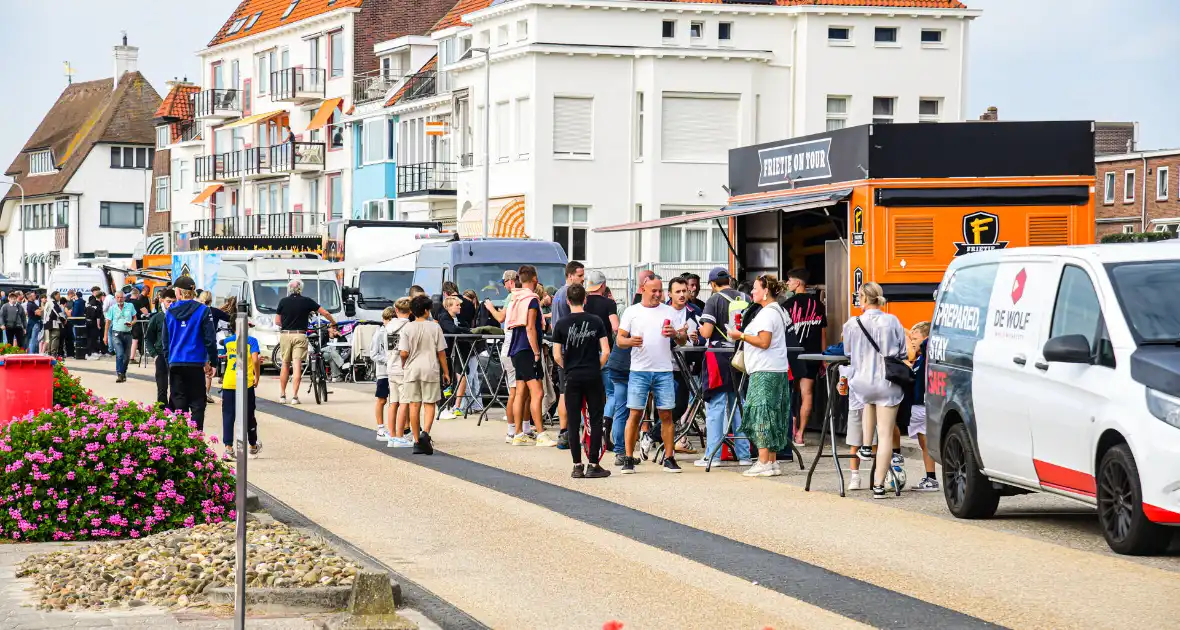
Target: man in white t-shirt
x=645 y=328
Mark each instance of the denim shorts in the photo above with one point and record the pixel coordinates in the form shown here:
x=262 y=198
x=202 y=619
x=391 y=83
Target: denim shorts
x=658 y=384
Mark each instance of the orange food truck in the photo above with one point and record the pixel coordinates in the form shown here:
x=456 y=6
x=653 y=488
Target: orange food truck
x=895 y=204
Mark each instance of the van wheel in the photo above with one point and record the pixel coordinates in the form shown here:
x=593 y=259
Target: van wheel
x=968 y=493
x=1120 y=507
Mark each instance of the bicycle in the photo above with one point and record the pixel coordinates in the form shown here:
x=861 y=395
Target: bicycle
x=317 y=369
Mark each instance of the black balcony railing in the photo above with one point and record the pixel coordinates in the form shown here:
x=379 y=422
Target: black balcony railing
x=206 y=168
x=428 y=178
x=296 y=156
x=230 y=165
x=256 y=161
x=294 y=83
x=282 y=224
x=421 y=85
x=374 y=85
x=187 y=131
x=213 y=102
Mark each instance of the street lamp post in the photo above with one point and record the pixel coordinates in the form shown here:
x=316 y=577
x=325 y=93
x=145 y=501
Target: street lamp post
x=487 y=135
x=21 y=210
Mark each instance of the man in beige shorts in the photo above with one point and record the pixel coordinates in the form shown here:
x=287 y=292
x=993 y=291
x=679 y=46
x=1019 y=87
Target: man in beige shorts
x=291 y=316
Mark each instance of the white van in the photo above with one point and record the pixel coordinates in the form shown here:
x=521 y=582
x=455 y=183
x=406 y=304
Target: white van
x=379 y=262
x=1058 y=370
x=80 y=278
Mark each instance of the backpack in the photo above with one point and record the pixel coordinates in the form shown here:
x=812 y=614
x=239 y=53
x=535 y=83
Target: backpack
x=737 y=306
x=392 y=338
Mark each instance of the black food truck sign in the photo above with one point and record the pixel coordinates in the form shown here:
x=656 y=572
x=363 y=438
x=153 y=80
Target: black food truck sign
x=796 y=162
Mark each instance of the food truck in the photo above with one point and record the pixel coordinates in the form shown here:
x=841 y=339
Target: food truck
x=895 y=204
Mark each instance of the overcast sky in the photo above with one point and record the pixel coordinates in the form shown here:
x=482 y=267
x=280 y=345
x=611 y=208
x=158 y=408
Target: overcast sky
x=1113 y=60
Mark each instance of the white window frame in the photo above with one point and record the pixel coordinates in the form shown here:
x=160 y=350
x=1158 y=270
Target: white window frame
x=896 y=43
x=1108 y=184
x=725 y=41
x=839 y=42
x=941 y=43
x=640 y=124
x=1128 y=229
x=1129 y=185
x=163 y=194
x=369 y=147
x=668 y=38
x=41 y=163
x=573 y=226
x=885 y=118
x=1161 y=177
x=937 y=116
x=163 y=136
x=841 y=117
x=502 y=35
x=263 y=64
x=699 y=27
x=503 y=121
x=711 y=230
x=567 y=155
x=524 y=127
x=522 y=30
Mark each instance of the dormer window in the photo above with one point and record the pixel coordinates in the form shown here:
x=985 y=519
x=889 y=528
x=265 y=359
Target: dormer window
x=236 y=26
x=253 y=20
x=290 y=8
x=41 y=162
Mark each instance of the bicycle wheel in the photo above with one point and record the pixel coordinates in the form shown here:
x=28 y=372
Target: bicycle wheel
x=317 y=376
x=322 y=382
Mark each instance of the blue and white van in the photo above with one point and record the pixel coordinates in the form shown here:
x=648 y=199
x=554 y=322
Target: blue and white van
x=479 y=264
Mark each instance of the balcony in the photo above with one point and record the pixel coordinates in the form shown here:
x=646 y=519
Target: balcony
x=297 y=157
x=221 y=167
x=298 y=85
x=217 y=105
x=187 y=131
x=374 y=85
x=283 y=224
x=256 y=162
x=420 y=85
x=206 y=168
x=429 y=181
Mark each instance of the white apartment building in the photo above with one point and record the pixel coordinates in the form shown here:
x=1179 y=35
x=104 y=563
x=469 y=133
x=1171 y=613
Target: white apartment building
x=609 y=111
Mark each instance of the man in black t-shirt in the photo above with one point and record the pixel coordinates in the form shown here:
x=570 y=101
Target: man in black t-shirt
x=292 y=316
x=580 y=346
x=809 y=322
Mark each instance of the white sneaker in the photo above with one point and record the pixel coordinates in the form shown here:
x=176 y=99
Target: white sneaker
x=759 y=470
x=778 y=472
x=645 y=445
x=701 y=463
x=543 y=439
x=745 y=462
x=382 y=434
x=398 y=442
x=508 y=438
x=854 y=481
x=295 y=400
x=282 y=400
x=449 y=415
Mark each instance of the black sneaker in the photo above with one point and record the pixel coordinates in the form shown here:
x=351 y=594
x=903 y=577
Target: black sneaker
x=629 y=466
x=424 y=437
x=420 y=449
x=865 y=453
x=563 y=441
x=620 y=459
x=879 y=492
x=670 y=465
x=594 y=471
x=578 y=473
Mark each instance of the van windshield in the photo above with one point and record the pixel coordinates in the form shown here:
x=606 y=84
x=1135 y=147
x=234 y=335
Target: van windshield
x=487 y=280
x=380 y=288
x=267 y=294
x=1144 y=291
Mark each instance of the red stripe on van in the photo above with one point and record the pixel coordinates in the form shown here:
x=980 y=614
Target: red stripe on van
x=1160 y=515
x=1066 y=479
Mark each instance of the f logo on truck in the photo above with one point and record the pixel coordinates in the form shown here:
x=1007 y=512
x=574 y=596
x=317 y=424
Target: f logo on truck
x=858 y=226
x=981 y=233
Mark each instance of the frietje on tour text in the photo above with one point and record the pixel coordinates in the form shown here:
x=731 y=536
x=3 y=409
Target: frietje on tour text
x=787 y=164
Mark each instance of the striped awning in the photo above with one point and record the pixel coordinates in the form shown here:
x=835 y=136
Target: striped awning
x=507 y=221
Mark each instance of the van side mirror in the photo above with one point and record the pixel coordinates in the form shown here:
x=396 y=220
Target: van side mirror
x=350 y=306
x=1068 y=349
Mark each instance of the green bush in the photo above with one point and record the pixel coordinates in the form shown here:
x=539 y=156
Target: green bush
x=1138 y=237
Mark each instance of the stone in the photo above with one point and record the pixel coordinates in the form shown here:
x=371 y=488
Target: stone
x=371 y=594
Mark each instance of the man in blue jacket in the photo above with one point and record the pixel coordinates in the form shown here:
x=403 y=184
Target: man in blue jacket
x=191 y=340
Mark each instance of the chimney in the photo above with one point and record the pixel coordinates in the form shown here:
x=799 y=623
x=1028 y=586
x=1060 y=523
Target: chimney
x=126 y=59
x=991 y=115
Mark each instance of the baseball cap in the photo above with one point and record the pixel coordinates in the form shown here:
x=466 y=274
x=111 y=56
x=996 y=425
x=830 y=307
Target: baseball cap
x=717 y=273
x=185 y=282
x=510 y=275
x=594 y=280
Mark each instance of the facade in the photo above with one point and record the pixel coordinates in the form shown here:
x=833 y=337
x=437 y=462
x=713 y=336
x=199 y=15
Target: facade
x=1126 y=201
x=604 y=112
x=83 y=179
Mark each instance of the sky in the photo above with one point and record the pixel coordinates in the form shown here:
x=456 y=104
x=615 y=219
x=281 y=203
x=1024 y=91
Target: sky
x=1108 y=60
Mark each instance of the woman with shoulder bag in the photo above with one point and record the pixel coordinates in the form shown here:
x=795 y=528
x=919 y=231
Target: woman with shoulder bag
x=766 y=416
x=876 y=343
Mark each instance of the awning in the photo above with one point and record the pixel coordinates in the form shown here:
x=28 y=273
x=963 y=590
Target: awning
x=506 y=222
x=324 y=113
x=792 y=203
x=207 y=193
x=256 y=118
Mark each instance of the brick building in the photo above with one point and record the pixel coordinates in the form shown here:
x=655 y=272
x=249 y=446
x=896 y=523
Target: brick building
x=1127 y=201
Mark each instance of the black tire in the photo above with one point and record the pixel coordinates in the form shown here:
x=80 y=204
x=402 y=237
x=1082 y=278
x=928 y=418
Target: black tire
x=316 y=377
x=968 y=493
x=321 y=381
x=1120 y=507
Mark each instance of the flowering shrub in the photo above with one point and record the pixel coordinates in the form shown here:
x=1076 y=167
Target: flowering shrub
x=67 y=388
x=108 y=470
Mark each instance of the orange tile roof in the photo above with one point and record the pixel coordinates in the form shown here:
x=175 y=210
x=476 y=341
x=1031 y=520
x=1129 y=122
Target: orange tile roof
x=177 y=104
x=272 y=13
x=901 y=4
x=426 y=67
x=454 y=17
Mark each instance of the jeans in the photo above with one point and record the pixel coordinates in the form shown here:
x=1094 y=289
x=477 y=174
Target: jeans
x=474 y=401
x=609 y=388
x=658 y=384
x=32 y=344
x=122 y=347
x=618 y=404
x=716 y=414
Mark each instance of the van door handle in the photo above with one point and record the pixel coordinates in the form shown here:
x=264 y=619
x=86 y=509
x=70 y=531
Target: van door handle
x=1041 y=365
x=1019 y=359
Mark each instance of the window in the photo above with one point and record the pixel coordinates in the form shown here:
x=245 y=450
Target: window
x=725 y=31
x=63 y=213
x=1077 y=311
x=1108 y=188
x=573 y=126
x=163 y=136
x=336 y=49
x=696 y=30
x=570 y=227
x=313 y=199
x=929 y=109
x=837 y=112
x=1161 y=183
x=502 y=35
x=132 y=157
x=114 y=214
x=932 y=37
x=42 y=162
x=503 y=145
x=639 y=125
x=522 y=30
x=41 y=216
x=263 y=71
x=524 y=127
x=885 y=35
x=1128 y=229
x=336 y=196
x=163 y=194
x=373 y=149
x=290 y=8
x=839 y=35
x=253 y=19
x=1129 y=186
x=274 y=198
x=335 y=133
x=693 y=242
x=669 y=29
x=883 y=109
x=313 y=52
x=236 y=26
x=699 y=127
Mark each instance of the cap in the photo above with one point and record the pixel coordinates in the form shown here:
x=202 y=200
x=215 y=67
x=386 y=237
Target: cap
x=185 y=282
x=717 y=273
x=594 y=280
x=510 y=275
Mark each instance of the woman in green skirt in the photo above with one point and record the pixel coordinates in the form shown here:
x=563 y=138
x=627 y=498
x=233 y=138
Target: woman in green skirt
x=768 y=399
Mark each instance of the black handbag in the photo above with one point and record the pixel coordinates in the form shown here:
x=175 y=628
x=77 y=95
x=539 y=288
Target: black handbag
x=896 y=371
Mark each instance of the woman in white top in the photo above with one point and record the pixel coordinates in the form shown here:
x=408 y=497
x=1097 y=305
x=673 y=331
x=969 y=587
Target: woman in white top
x=766 y=417
x=867 y=379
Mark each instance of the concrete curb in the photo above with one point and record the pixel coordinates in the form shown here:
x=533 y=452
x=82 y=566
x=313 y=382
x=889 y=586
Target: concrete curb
x=286 y=600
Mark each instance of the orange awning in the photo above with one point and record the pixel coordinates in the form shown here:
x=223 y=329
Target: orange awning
x=207 y=193
x=325 y=112
x=507 y=221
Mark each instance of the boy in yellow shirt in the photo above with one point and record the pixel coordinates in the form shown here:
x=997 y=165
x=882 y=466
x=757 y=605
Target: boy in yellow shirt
x=229 y=386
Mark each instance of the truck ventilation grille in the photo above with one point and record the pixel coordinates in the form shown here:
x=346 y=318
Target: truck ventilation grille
x=1048 y=230
x=913 y=237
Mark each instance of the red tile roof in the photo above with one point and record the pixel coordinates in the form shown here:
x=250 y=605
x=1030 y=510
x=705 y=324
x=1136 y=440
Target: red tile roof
x=272 y=13
x=177 y=104
x=901 y=4
x=426 y=67
x=454 y=17
x=84 y=115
